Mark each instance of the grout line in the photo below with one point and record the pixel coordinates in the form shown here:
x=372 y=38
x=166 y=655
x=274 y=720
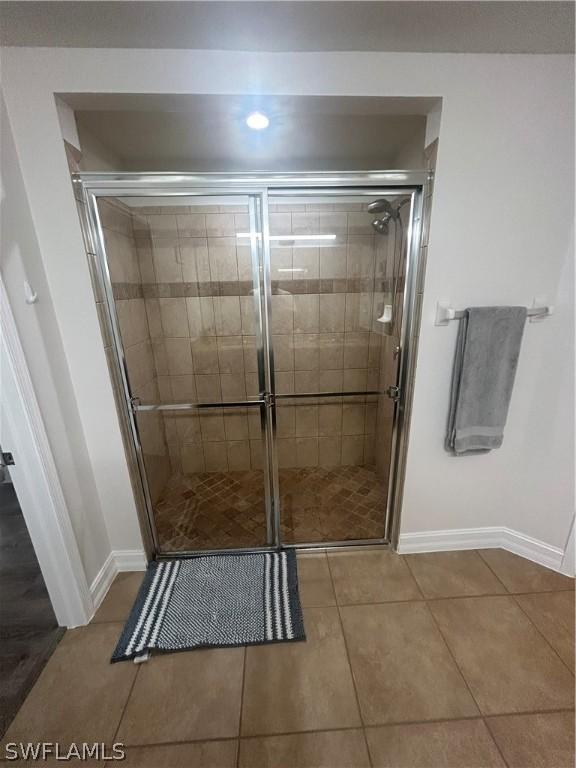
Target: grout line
x=443 y=599
x=93 y=623
x=374 y=726
x=553 y=711
x=349 y=661
x=341 y=729
x=396 y=723
x=546 y=568
x=125 y=707
x=413 y=575
x=155 y=744
x=492 y=571
x=454 y=660
x=493 y=737
x=235 y=738
x=241 y=705
x=515 y=595
x=537 y=628
x=460 y=671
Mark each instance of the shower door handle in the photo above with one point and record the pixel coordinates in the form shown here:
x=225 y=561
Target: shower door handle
x=269 y=399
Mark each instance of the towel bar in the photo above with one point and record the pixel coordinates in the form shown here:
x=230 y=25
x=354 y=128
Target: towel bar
x=445 y=312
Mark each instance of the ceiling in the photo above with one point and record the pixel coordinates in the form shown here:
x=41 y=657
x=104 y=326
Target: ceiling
x=354 y=25
x=208 y=132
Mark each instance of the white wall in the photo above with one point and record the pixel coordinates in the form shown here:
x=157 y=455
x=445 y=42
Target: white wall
x=501 y=233
x=41 y=340
x=433 y=120
x=411 y=156
x=67 y=120
x=106 y=512
x=95 y=156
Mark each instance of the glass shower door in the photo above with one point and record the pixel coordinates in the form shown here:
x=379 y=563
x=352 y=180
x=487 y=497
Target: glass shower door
x=337 y=297
x=186 y=302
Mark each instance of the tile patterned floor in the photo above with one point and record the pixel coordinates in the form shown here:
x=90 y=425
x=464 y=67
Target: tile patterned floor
x=448 y=660
x=215 y=510
x=212 y=510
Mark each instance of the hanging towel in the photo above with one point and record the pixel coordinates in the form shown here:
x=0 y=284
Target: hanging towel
x=487 y=350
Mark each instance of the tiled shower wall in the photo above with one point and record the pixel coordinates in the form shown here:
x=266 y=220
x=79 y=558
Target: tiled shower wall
x=181 y=346
x=325 y=334
x=117 y=224
x=198 y=295
x=197 y=284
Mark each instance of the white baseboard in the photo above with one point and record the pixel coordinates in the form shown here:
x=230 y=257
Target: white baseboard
x=483 y=538
x=102 y=581
x=569 y=560
x=118 y=560
x=130 y=560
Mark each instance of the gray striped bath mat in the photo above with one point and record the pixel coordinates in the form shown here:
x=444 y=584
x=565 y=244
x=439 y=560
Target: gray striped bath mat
x=214 y=600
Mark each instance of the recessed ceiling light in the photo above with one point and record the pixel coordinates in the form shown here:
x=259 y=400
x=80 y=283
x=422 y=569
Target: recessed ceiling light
x=257 y=121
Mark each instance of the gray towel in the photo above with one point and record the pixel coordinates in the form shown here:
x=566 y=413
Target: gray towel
x=487 y=351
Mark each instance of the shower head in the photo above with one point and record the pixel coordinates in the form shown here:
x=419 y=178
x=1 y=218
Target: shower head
x=382 y=206
x=389 y=213
x=381 y=225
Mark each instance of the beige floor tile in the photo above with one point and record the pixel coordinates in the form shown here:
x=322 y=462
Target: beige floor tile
x=207 y=754
x=118 y=602
x=505 y=660
x=302 y=686
x=324 y=749
x=553 y=614
x=521 y=575
x=535 y=741
x=185 y=696
x=371 y=577
x=434 y=745
x=314 y=581
x=402 y=667
x=453 y=574
x=79 y=697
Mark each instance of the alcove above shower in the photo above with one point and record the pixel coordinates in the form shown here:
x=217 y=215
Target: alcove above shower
x=261 y=324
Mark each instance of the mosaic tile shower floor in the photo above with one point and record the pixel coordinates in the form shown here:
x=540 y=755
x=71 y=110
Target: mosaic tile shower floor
x=215 y=510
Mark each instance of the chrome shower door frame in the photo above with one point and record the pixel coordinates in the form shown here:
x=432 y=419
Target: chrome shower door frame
x=416 y=182
x=128 y=405
x=256 y=187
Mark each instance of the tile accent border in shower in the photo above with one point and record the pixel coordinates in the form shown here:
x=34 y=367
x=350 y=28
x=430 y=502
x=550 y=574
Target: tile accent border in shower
x=245 y=288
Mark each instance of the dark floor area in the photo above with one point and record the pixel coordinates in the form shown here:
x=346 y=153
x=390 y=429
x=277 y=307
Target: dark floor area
x=28 y=629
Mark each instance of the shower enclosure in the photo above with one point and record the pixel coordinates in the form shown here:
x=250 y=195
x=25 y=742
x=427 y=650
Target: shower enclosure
x=260 y=327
